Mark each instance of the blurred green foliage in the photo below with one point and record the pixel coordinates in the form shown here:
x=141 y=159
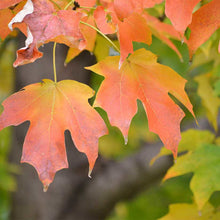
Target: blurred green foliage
x=7 y=182
x=154 y=203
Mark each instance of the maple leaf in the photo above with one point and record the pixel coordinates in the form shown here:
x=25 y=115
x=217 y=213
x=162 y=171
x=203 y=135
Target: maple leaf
x=151 y=3
x=5 y=17
x=163 y=31
x=133 y=28
x=204 y=162
x=87 y=3
x=100 y=16
x=8 y=3
x=89 y=35
x=124 y=8
x=51 y=109
x=183 y=211
x=105 y=3
x=131 y=25
x=180 y=13
x=141 y=77
x=46 y=24
x=204 y=22
x=191 y=139
x=209 y=100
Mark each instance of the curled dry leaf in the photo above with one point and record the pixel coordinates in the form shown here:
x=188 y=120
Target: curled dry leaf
x=46 y=24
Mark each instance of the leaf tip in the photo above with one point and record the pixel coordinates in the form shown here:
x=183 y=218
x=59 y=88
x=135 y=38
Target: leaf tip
x=126 y=140
x=45 y=187
x=175 y=152
x=89 y=173
x=182 y=41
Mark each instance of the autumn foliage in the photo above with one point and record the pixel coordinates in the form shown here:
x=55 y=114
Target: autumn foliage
x=53 y=107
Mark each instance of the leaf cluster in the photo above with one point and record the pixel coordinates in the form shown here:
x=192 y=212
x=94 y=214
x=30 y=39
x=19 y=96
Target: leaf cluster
x=146 y=51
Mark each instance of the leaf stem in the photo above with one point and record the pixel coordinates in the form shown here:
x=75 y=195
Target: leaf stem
x=67 y=6
x=84 y=7
x=54 y=62
x=103 y=35
x=55 y=4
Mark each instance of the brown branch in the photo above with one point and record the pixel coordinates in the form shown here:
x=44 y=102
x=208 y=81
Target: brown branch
x=118 y=181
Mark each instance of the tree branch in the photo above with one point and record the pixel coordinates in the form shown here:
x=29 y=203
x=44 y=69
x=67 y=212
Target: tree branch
x=118 y=181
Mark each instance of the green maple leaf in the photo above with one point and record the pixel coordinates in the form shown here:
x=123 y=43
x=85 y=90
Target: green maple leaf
x=204 y=162
x=191 y=139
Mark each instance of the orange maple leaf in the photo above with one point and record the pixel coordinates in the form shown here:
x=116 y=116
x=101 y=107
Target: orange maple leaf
x=129 y=17
x=86 y=3
x=51 y=109
x=100 y=16
x=130 y=23
x=133 y=28
x=5 y=17
x=151 y=3
x=141 y=77
x=163 y=31
x=8 y=3
x=180 y=13
x=124 y=8
x=205 y=22
x=89 y=35
x=46 y=24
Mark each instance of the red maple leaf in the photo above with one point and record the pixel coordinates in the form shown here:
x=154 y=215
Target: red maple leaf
x=5 y=17
x=205 y=22
x=51 y=109
x=8 y=3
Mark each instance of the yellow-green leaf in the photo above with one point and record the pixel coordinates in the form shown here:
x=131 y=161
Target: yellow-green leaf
x=191 y=139
x=209 y=100
x=183 y=211
x=204 y=162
